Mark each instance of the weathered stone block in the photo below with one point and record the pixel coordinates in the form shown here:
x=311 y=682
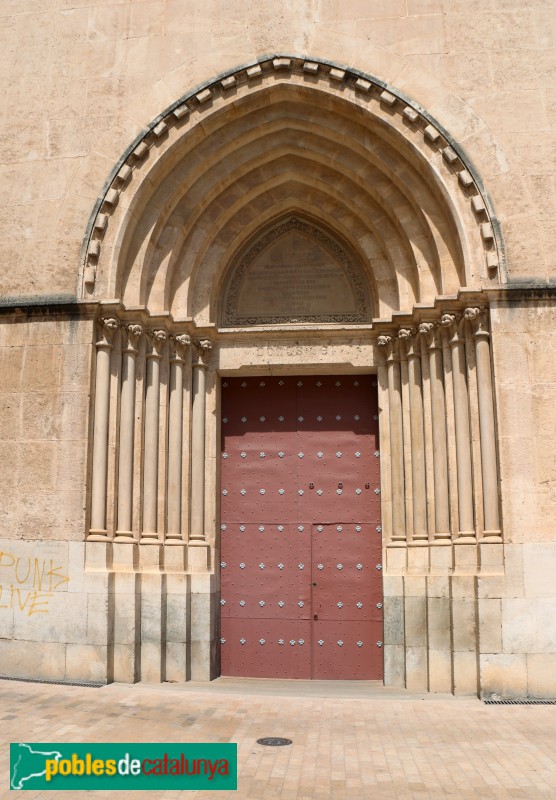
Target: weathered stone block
x=177 y=617
x=396 y=560
x=465 y=559
x=202 y=618
x=151 y=617
x=202 y=660
x=393 y=620
x=414 y=586
x=126 y=630
x=491 y=558
x=539 y=569
x=38 y=660
x=440 y=671
x=418 y=560
x=394 y=665
x=439 y=623
x=392 y=586
x=86 y=662
x=415 y=622
x=503 y=675
x=490 y=625
x=464 y=624
x=151 y=662
x=466 y=678
x=124 y=663
x=416 y=668
x=176 y=662
x=541 y=675
x=528 y=625
x=98 y=622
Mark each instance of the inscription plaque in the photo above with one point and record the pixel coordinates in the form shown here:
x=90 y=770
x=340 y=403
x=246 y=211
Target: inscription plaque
x=295 y=272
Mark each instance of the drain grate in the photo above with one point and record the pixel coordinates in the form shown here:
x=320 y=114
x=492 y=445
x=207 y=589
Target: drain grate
x=519 y=702
x=53 y=683
x=274 y=741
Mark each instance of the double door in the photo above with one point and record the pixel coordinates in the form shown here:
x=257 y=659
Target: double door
x=301 y=588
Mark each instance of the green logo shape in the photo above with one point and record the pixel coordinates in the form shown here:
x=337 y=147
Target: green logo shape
x=123 y=766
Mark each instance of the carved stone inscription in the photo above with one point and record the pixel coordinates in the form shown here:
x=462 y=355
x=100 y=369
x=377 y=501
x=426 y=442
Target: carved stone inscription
x=297 y=276
x=296 y=273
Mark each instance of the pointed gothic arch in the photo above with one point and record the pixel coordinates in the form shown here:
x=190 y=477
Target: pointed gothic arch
x=281 y=134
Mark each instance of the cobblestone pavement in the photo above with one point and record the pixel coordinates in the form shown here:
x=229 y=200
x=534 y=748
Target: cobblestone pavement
x=350 y=741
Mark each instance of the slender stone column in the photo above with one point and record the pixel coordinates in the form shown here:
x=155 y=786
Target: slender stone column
x=479 y=322
x=197 y=503
x=175 y=444
x=100 y=429
x=131 y=334
x=463 y=435
x=150 y=447
x=431 y=338
x=384 y=448
x=396 y=437
x=418 y=468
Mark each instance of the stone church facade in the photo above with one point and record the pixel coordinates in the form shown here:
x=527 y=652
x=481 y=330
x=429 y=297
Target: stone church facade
x=196 y=196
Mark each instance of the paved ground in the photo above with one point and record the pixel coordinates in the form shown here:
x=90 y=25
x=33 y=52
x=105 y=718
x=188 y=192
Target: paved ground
x=350 y=741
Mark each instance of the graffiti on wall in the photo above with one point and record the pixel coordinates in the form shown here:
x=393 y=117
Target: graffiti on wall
x=28 y=583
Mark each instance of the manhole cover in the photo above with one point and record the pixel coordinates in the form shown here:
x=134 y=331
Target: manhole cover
x=274 y=741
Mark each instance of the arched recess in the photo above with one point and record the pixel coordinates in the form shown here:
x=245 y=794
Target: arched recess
x=295 y=271
x=282 y=135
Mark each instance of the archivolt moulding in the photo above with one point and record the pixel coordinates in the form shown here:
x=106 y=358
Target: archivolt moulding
x=186 y=112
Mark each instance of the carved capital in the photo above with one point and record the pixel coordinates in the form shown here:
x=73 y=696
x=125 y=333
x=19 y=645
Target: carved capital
x=180 y=345
x=157 y=338
x=454 y=326
x=478 y=320
x=472 y=313
x=426 y=328
x=389 y=345
x=431 y=336
x=447 y=320
x=204 y=348
x=132 y=333
x=108 y=326
x=412 y=343
x=405 y=342
x=384 y=344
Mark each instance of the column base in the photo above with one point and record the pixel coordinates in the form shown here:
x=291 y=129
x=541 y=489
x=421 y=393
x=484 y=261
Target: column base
x=125 y=537
x=441 y=540
x=98 y=535
x=491 y=537
x=466 y=537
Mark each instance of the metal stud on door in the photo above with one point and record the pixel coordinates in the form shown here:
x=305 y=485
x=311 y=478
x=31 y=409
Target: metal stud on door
x=298 y=595
x=338 y=437
x=347 y=588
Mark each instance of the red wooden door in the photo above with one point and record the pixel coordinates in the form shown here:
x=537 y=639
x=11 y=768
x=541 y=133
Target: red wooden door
x=301 y=588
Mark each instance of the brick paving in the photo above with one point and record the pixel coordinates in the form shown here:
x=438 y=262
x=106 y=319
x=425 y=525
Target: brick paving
x=349 y=741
